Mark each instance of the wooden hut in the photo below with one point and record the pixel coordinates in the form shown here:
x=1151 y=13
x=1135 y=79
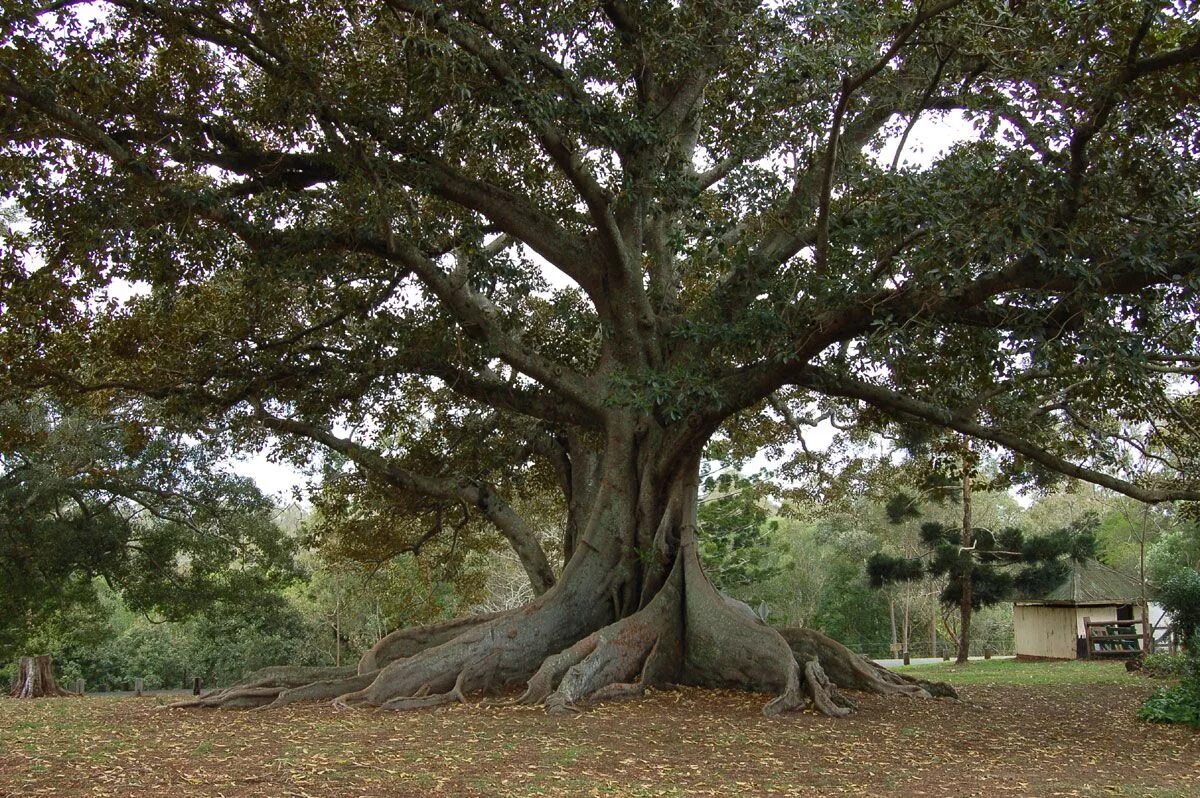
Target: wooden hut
x=1053 y=625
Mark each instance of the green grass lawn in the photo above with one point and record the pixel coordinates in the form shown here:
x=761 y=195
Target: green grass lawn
x=1014 y=672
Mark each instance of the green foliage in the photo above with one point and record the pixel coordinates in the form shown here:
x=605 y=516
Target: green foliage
x=1178 y=550
x=87 y=492
x=109 y=646
x=853 y=613
x=1180 y=703
x=362 y=603
x=902 y=507
x=311 y=214
x=229 y=641
x=735 y=533
x=332 y=224
x=1180 y=597
x=1166 y=665
x=997 y=563
x=883 y=569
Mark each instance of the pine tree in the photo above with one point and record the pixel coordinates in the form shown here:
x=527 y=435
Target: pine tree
x=995 y=567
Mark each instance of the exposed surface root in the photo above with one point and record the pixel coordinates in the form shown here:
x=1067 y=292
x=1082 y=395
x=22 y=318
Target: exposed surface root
x=322 y=690
x=621 y=660
x=351 y=699
x=850 y=671
x=823 y=694
x=404 y=643
x=234 y=698
x=568 y=652
x=422 y=699
x=263 y=687
x=487 y=653
x=475 y=677
x=551 y=672
x=618 y=657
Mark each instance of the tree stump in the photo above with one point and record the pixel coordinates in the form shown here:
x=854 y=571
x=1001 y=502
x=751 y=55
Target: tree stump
x=35 y=679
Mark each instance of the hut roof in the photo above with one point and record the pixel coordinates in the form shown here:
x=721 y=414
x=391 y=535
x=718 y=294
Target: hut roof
x=1090 y=582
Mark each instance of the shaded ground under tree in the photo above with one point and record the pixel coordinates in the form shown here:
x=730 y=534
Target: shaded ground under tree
x=1022 y=739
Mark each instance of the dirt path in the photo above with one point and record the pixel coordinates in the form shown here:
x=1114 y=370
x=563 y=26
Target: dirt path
x=1012 y=740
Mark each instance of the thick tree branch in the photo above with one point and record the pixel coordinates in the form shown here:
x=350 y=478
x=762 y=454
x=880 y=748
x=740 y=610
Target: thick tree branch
x=553 y=139
x=477 y=494
x=850 y=85
x=898 y=404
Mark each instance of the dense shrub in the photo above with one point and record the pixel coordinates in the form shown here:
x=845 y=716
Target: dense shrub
x=1180 y=596
x=1165 y=666
x=1181 y=703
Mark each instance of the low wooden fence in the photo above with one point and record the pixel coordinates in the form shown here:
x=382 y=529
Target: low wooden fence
x=1125 y=638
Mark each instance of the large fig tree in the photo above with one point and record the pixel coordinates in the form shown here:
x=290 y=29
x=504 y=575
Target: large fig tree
x=478 y=246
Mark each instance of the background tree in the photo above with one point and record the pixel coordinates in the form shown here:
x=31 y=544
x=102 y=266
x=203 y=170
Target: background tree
x=87 y=494
x=735 y=532
x=1180 y=596
x=471 y=246
x=996 y=564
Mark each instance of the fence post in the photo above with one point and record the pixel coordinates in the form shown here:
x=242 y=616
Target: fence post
x=79 y=686
x=196 y=686
x=137 y=687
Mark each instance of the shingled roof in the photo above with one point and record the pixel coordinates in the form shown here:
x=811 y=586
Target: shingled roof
x=1090 y=582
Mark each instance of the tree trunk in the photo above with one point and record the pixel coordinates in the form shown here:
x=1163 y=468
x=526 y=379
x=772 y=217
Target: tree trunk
x=633 y=609
x=35 y=679
x=933 y=631
x=965 y=601
x=1147 y=629
x=892 y=618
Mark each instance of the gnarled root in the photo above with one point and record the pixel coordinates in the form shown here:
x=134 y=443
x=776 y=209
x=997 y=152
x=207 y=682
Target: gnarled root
x=323 y=690
x=568 y=651
x=404 y=643
x=850 y=671
x=279 y=686
x=265 y=686
x=546 y=679
x=727 y=646
x=620 y=659
x=480 y=654
x=825 y=696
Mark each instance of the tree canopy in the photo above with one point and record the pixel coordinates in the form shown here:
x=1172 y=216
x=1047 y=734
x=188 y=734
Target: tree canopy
x=87 y=495
x=474 y=246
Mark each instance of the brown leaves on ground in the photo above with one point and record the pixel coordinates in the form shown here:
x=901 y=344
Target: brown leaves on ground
x=1011 y=740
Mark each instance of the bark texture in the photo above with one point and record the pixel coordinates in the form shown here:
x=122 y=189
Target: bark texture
x=35 y=679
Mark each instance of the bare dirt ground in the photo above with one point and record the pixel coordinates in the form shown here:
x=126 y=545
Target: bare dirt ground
x=1035 y=740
